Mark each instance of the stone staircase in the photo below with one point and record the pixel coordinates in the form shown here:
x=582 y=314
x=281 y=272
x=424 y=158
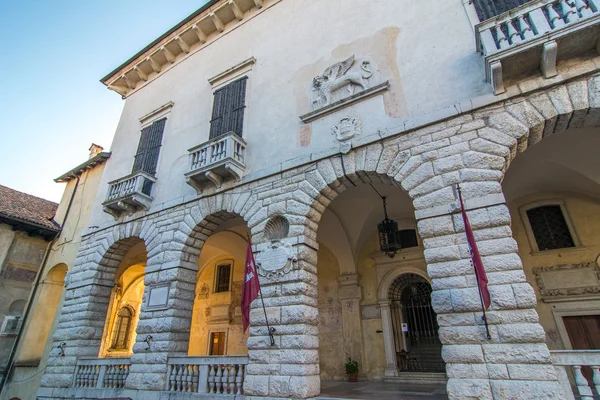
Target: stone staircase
x=418 y=378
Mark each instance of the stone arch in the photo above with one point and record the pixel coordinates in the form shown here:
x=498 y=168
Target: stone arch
x=199 y=219
x=88 y=291
x=391 y=276
x=113 y=257
x=200 y=234
x=525 y=121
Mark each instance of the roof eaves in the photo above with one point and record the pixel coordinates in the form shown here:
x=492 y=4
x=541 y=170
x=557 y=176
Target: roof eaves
x=54 y=229
x=78 y=170
x=161 y=37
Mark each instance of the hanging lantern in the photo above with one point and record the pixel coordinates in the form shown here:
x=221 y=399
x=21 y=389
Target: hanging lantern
x=389 y=239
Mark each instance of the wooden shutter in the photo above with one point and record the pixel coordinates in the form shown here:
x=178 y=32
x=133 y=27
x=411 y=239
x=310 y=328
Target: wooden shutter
x=154 y=144
x=228 y=109
x=138 y=161
x=238 y=106
x=216 y=122
x=487 y=9
x=146 y=157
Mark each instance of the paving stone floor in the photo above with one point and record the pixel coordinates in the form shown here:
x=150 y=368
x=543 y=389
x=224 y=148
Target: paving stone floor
x=381 y=391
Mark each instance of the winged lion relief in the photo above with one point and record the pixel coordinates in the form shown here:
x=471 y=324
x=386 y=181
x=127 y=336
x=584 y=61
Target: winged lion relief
x=342 y=79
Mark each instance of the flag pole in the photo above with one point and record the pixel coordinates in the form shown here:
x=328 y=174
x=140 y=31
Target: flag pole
x=484 y=316
x=269 y=329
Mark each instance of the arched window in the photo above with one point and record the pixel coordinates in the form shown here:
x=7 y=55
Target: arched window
x=122 y=329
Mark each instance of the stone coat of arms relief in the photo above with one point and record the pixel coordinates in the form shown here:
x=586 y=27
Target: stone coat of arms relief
x=277 y=259
x=343 y=132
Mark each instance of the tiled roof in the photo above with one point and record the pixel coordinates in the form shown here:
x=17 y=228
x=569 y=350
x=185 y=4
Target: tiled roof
x=26 y=208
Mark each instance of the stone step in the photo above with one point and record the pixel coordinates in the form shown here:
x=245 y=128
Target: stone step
x=418 y=377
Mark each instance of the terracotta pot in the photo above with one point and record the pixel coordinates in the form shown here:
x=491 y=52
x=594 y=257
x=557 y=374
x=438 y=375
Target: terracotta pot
x=353 y=377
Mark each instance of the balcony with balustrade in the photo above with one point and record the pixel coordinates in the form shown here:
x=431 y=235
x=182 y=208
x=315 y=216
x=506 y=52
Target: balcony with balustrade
x=218 y=160
x=535 y=36
x=187 y=377
x=223 y=376
x=129 y=194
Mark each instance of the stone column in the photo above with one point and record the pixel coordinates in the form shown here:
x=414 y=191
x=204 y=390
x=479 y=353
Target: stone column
x=291 y=367
x=388 y=339
x=350 y=295
x=515 y=363
x=166 y=315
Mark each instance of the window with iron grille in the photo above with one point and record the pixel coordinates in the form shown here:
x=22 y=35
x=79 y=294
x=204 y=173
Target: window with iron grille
x=228 y=109
x=223 y=275
x=146 y=156
x=550 y=228
x=487 y=9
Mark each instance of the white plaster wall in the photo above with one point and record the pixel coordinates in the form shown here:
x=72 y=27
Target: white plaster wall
x=425 y=49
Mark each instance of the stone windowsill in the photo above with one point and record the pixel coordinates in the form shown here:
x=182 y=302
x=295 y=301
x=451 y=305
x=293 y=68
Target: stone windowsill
x=345 y=102
x=557 y=251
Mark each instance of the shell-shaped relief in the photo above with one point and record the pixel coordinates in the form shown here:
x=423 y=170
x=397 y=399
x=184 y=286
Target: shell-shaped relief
x=277 y=228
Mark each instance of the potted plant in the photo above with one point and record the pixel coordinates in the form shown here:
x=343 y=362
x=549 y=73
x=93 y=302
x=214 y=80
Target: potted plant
x=352 y=370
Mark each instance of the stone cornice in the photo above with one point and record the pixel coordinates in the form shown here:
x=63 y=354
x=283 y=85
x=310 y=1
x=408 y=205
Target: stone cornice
x=210 y=23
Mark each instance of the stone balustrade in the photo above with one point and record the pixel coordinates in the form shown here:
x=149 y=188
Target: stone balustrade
x=510 y=40
x=129 y=194
x=220 y=375
x=101 y=373
x=576 y=360
x=216 y=160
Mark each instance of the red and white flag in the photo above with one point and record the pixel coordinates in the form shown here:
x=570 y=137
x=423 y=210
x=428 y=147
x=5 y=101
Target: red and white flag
x=482 y=280
x=251 y=286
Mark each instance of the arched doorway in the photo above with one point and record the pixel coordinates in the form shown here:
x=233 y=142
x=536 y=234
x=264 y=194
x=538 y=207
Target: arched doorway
x=414 y=324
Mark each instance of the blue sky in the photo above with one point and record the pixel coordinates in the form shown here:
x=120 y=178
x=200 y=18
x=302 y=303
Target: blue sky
x=52 y=105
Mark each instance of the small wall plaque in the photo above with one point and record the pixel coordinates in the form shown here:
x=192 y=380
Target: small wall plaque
x=158 y=296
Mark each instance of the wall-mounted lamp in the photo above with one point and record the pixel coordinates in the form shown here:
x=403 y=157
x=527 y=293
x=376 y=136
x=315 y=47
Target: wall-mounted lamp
x=148 y=340
x=61 y=349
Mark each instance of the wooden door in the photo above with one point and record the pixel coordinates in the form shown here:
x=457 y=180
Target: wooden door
x=584 y=334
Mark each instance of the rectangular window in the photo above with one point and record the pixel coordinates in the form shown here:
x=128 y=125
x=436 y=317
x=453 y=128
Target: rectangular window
x=228 y=109
x=487 y=9
x=223 y=275
x=407 y=238
x=217 y=344
x=550 y=228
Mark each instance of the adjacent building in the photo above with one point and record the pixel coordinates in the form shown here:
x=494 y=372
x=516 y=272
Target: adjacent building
x=36 y=268
x=334 y=134
x=27 y=228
